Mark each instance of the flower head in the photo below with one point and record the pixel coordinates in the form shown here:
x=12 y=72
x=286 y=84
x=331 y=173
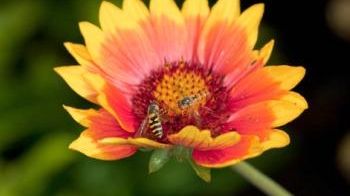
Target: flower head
x=171 y=79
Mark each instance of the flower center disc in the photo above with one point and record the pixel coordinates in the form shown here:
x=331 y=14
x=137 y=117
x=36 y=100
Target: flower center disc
x=181 y=90
x=186 y=93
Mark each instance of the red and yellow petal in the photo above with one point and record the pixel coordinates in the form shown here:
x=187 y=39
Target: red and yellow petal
x=198 y=9
x=225 y=48
x=166 y=8
x=88 y=145
x=224 y=42
x=113 y=19
x=101 y=123
x=122 y=29
x=80 y=53
x=228 y=38
x=275 y=139
x=74 y=77
x=118 y=104
x=94 y=38
x=195 y=13
x=250 y=21
x=192 y=137
x=138 y=142
x=247 y=147
x=285 y=111
x=287 y=76
x=265 y=52
x=271 y=82
x=255 y=118
x=136 y=10
x=167 y=30
x=96 y=81
x=296 y=99
x=81 y=116
x=224 y=11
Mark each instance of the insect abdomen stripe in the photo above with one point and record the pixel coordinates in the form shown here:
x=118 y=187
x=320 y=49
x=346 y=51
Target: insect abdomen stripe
x=158 y=131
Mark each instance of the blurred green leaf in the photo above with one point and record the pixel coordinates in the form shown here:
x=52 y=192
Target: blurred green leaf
x=18 y=21
x=28 y=174
x=158 y=159
x=202 y=172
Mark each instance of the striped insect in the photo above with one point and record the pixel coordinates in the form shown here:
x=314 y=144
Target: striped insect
x=152 y=121
x=190 y=105
x=188 y=101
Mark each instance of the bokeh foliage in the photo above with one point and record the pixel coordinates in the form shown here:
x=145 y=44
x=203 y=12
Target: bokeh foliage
x=35 y=130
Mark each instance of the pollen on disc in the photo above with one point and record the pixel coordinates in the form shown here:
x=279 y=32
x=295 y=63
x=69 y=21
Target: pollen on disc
x=187 y=94
x=177 y=84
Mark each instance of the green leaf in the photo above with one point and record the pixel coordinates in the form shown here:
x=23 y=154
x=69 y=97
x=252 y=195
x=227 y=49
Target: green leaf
x=145 y=149
x=30 y=173
x=202 y=172
x=181 y=153
x=158 y=159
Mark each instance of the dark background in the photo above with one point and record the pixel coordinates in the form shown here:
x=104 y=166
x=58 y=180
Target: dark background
x=35 y=131
x=308 y=37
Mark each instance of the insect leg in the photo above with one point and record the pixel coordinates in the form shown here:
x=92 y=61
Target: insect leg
x=142 y=128
x=197 y=118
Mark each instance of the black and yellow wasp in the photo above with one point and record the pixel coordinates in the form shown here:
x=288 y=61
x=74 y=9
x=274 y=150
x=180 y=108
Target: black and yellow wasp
x=152 y=121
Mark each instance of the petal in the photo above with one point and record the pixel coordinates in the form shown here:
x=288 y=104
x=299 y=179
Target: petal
x=95 y=81
x=147 y=143
x=113 y=18
x=266 y=51
x=252 y=87
x=224 y=11
x=139 y=142
x=296 y=99
x=136 y=9
x=192 y=137
x=247 y=147
x=195 y=13
x=128 y=65
x=117 y=104
x=88 y=145
x=225 y=48
x=223 y=43
x=94 y=38
x=285 y=111
x=255 y=118
x=79 y=52
x=101 y=123
x=195 y=8
x=287 y=76
x=74 y=76
x=276 y=139
x=167 y=30
x=81 y=116
x=166 y=8
x=250 y=20
x=270 y=82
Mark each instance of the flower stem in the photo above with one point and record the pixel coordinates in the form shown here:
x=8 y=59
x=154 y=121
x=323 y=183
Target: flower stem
x=260 y=180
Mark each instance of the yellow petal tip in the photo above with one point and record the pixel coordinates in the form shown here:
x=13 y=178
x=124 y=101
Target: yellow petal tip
x=276 y=139
x=260 y=6
x=85 y=25
x=105 y=5
x=67 y=44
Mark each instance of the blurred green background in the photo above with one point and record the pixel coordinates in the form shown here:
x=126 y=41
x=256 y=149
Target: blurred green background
x=35 y=130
